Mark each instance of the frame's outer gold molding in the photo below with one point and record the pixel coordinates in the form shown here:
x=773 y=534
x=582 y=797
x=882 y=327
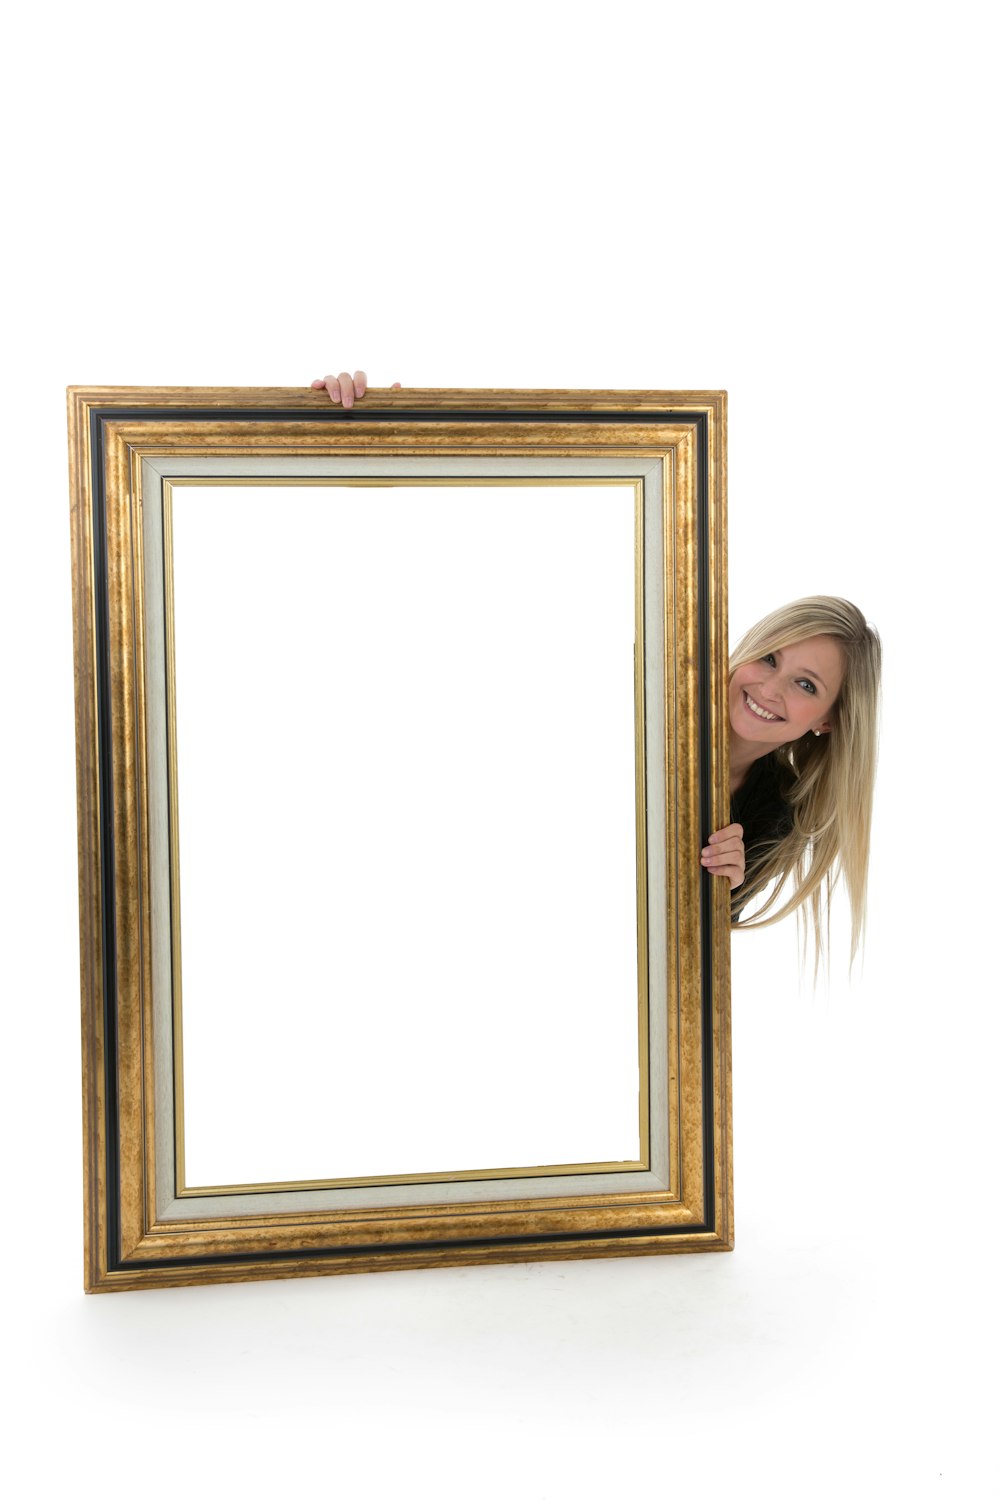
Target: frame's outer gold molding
x=88 y=843
x=111 y=431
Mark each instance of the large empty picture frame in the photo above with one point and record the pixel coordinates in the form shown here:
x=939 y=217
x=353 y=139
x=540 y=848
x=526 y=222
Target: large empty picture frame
x=399 y=732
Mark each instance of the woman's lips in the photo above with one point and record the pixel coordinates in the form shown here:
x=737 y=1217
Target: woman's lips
x=777 y=719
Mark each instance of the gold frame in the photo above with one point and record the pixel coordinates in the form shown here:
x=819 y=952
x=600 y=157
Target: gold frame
x=112 y=432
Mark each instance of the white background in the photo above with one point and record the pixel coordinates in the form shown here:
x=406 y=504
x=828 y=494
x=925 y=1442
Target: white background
x=434 y=790
x=784 y=200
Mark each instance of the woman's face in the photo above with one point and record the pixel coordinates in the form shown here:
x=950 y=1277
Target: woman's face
x=788 y=693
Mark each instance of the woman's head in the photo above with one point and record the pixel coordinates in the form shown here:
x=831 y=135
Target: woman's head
x=815 y=665
x=786 y=692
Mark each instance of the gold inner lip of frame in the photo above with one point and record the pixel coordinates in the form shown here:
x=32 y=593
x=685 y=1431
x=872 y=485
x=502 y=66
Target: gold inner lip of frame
x=462 y=1175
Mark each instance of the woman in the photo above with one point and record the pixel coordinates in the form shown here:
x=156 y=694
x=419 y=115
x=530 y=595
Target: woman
x=803 y=717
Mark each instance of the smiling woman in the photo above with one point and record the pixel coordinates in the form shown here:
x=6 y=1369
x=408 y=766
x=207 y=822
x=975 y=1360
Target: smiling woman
x=803 y=712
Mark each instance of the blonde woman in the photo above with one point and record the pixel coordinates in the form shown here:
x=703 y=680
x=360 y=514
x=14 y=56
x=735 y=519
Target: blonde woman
x=803 y=716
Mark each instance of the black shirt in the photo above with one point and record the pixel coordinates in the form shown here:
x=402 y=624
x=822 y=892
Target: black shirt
x=760 y=804
x=762 y=807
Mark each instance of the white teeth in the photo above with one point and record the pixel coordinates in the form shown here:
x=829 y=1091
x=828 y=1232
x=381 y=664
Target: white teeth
x=761 y=713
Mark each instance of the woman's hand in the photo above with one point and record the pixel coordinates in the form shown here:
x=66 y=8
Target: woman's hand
x=343 y=389
x=725 y=854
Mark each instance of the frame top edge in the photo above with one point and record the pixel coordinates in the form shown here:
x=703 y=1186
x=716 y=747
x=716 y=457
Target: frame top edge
x=306 y=399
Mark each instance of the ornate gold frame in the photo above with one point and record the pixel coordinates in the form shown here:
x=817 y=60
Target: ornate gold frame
x=113 y=431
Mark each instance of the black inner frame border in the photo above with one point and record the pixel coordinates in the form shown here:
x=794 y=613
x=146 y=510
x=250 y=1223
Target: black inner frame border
x=98 y=417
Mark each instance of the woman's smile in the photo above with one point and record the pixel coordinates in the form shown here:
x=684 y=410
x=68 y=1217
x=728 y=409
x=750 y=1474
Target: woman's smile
x=758 y=711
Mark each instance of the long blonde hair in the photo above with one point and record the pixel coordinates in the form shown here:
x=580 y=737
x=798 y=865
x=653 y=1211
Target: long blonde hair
x=832 y=776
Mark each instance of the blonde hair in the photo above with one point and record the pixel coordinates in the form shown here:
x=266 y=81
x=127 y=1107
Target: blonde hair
x=832 y=776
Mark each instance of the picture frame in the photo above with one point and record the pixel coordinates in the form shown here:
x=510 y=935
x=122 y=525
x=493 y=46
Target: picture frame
x=469 y=635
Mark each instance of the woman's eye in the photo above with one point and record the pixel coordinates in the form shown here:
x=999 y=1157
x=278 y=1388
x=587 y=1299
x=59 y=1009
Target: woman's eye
x=810 y=687
x=769 y=658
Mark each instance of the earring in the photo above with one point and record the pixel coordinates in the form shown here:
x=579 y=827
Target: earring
x=816 y=732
